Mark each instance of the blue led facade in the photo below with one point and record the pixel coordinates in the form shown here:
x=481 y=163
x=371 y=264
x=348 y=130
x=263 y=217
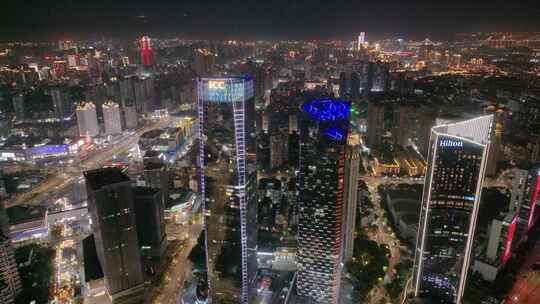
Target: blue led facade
x=225 y=90
x=49 y=150
x=332 y=116
x=327 y=109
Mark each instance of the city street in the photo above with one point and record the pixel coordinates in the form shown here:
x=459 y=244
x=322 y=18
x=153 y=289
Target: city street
x=526 y=289
x=180 y=269
x=384 y=234
x=65 y=176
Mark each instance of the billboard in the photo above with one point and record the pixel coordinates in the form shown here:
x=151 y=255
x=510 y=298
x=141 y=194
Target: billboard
x=226 y=89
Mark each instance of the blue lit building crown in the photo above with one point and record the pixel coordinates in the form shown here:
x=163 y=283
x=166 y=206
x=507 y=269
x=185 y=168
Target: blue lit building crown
x=327 y=109
x=332 y=116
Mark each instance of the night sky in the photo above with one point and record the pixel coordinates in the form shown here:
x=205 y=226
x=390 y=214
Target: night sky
x=259 y=19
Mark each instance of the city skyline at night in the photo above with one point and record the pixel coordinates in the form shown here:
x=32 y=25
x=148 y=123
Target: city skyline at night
x=270 y=152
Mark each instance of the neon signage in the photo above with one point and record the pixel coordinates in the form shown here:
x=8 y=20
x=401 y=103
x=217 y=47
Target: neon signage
x=450 y=143
x=509 y=239
x=534 y=201
x=216 y=84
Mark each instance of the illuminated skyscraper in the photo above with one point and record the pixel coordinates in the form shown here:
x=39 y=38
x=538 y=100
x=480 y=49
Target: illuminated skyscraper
x=323 y=138
x=147 y=54
x=87 y=119
x=453 y=186
x=228 y=184
x=352 y=166
x=361 y=40
x=112 y=118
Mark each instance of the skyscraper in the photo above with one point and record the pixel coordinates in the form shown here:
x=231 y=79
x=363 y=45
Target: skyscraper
x=352 y=166
x=147 y=54
x=452 y=190
x=361 y=40
x=150 y=221
x=87 y=119
x=323 y=137
x=112 y=118
x=228 y=184
x=111 y=207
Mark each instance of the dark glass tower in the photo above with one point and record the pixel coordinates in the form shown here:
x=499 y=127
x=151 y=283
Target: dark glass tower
x=150 y=221
x=110 y=203
x=323 y=138
x=450 y=202
x=228 y=184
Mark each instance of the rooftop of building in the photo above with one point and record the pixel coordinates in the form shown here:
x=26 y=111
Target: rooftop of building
x=265 y=183
x=406 y=191
x=152 y=165
x=25 y=213
x=145 y=191
x=99 y=178
x=152 y=133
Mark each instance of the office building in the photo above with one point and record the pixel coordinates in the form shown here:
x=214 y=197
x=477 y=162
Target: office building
x=228 y=185
x=112 y=210
x=452 y=191
x=323 y=140
x=87 y=119
x=149 y=213
x=350 y=200
x=278 y=146
x=157 y=175
x=111 y=118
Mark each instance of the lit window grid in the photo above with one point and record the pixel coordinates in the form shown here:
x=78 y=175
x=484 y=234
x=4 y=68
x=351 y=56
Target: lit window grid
x=236 y=96
x=426 y=209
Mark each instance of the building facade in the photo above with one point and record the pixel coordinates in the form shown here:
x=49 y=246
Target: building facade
x=228 y=184
x=112 y=210
x=450 y=202
x=323 y=137
x=352 y=166
x=112 y=118
x=87 y=119
x=149 y=210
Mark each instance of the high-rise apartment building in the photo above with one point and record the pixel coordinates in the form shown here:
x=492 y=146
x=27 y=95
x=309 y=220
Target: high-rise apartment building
x=452 y=191
x=87 y=119
x=112 y=210
x=323 y=138
x=375 y=123
x=112 y=118
x=228 y=184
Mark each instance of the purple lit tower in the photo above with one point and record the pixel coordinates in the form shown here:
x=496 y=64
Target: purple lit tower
x=227 y=158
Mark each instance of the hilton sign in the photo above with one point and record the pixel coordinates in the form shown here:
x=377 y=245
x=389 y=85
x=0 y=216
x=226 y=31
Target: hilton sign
x=450 y=143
